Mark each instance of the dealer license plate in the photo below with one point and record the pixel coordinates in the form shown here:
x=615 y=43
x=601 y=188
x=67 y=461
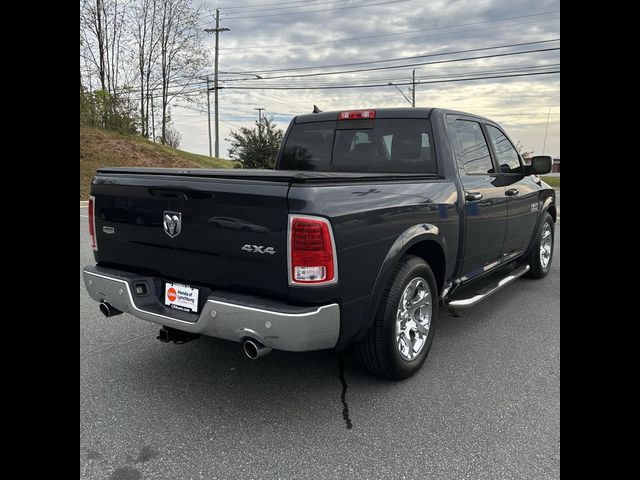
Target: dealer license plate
x=181 y=297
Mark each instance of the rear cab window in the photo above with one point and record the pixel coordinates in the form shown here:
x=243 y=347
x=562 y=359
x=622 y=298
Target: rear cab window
x=385 y=145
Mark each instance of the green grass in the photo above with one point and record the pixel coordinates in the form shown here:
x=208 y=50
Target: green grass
x=202 y=160
x=552 y=181
x=103 y=148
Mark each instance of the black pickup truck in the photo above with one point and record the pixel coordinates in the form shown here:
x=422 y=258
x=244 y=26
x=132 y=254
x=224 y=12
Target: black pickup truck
x=370 y=220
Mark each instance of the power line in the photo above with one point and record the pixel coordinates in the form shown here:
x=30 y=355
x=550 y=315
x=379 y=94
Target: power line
x=202 y=89
x=312 y=44
x=279 y=7
x=409 y=36
x=397 y=59
x=472 y=71
x=390 y=67
x=189 y=108
x=251 y=5
x=229 y=124
x=455 y=73
x=327 y=87
x=485 y=72
x=403 y=80
x=369 y=45
x=396 y=79
x=317 y=11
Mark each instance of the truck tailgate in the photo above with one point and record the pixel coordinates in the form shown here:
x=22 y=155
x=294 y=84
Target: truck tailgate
x=218 y=217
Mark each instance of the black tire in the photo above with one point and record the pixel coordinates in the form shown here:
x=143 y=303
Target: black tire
x=378 y=350
x=538 y=270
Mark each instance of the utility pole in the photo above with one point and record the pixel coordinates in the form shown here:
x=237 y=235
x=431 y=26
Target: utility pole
x=217 y=31
x=413 y=89
x=209 y=115
x=544 y=145
x=259 y=123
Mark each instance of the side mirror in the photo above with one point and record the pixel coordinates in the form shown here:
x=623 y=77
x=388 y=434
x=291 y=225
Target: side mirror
x=540 y=165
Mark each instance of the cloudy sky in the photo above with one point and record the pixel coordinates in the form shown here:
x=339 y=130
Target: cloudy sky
x=268 y=35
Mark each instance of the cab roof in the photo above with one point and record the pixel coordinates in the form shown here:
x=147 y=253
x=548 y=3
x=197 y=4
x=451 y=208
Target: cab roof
x=417 y=112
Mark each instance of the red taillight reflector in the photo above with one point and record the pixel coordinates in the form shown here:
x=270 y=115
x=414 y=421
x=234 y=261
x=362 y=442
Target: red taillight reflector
x=92 y=223
x=311 y=251
x=356 y=114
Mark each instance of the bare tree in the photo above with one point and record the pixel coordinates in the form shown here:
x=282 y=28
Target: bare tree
x=92 y=34
x=101 y=28
x=141 y=53
x=143 y=20
x=182 y=55
x=173 y=137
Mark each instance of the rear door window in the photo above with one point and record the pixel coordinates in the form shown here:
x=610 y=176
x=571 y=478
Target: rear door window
x=476 y=158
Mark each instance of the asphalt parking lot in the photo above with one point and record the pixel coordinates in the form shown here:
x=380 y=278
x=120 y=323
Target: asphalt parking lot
x=486 y=403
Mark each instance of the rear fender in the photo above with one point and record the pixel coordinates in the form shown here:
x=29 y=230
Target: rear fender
x=410 y=237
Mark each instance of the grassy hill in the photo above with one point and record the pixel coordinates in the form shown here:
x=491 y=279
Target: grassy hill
x=103 y=148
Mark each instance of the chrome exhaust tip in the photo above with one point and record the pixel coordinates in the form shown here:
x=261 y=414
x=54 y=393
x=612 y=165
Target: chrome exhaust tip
x=108 y=310
x=254 y=349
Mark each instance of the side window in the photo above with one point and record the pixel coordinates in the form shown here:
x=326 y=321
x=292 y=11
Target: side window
x=505 y=153
x=473 y=146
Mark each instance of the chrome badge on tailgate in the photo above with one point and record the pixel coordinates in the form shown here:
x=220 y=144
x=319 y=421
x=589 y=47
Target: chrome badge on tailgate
x=172 y=222
x=258 y=249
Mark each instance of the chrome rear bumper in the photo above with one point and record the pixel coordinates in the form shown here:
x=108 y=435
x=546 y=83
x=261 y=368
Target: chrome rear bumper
x=223 y=315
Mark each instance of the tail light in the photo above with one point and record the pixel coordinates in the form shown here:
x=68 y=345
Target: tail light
x=92 y=223
x=357 y=114
x=312 y=252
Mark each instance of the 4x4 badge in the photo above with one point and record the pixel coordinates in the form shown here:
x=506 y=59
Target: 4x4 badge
x=172 y=223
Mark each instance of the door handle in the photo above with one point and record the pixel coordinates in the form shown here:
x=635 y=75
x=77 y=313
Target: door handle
x=511 y=192
x=471 y=196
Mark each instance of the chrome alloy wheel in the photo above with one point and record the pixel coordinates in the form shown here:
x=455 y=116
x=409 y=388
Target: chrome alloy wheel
x=546 y=245
x=413 y=319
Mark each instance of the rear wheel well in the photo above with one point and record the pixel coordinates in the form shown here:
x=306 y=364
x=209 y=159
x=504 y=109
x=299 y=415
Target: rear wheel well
x=552 y=212
x=432 y=253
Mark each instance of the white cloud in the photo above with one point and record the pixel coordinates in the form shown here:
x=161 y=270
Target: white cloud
x=414 y=27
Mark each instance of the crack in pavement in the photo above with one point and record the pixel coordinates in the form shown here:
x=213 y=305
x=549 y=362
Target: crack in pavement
x=343 y=397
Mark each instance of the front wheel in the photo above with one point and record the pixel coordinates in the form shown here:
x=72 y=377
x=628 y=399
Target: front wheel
x=542 y=250
x=399 y=341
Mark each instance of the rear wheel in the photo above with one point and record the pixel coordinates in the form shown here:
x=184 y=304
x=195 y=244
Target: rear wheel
x=399 y=341
x=542 y=250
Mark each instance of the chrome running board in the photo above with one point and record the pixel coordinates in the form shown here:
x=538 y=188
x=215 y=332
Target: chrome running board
x=487 y=291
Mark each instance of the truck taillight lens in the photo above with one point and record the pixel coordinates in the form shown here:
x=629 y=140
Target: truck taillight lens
x=312 y=253
x=92 y=223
